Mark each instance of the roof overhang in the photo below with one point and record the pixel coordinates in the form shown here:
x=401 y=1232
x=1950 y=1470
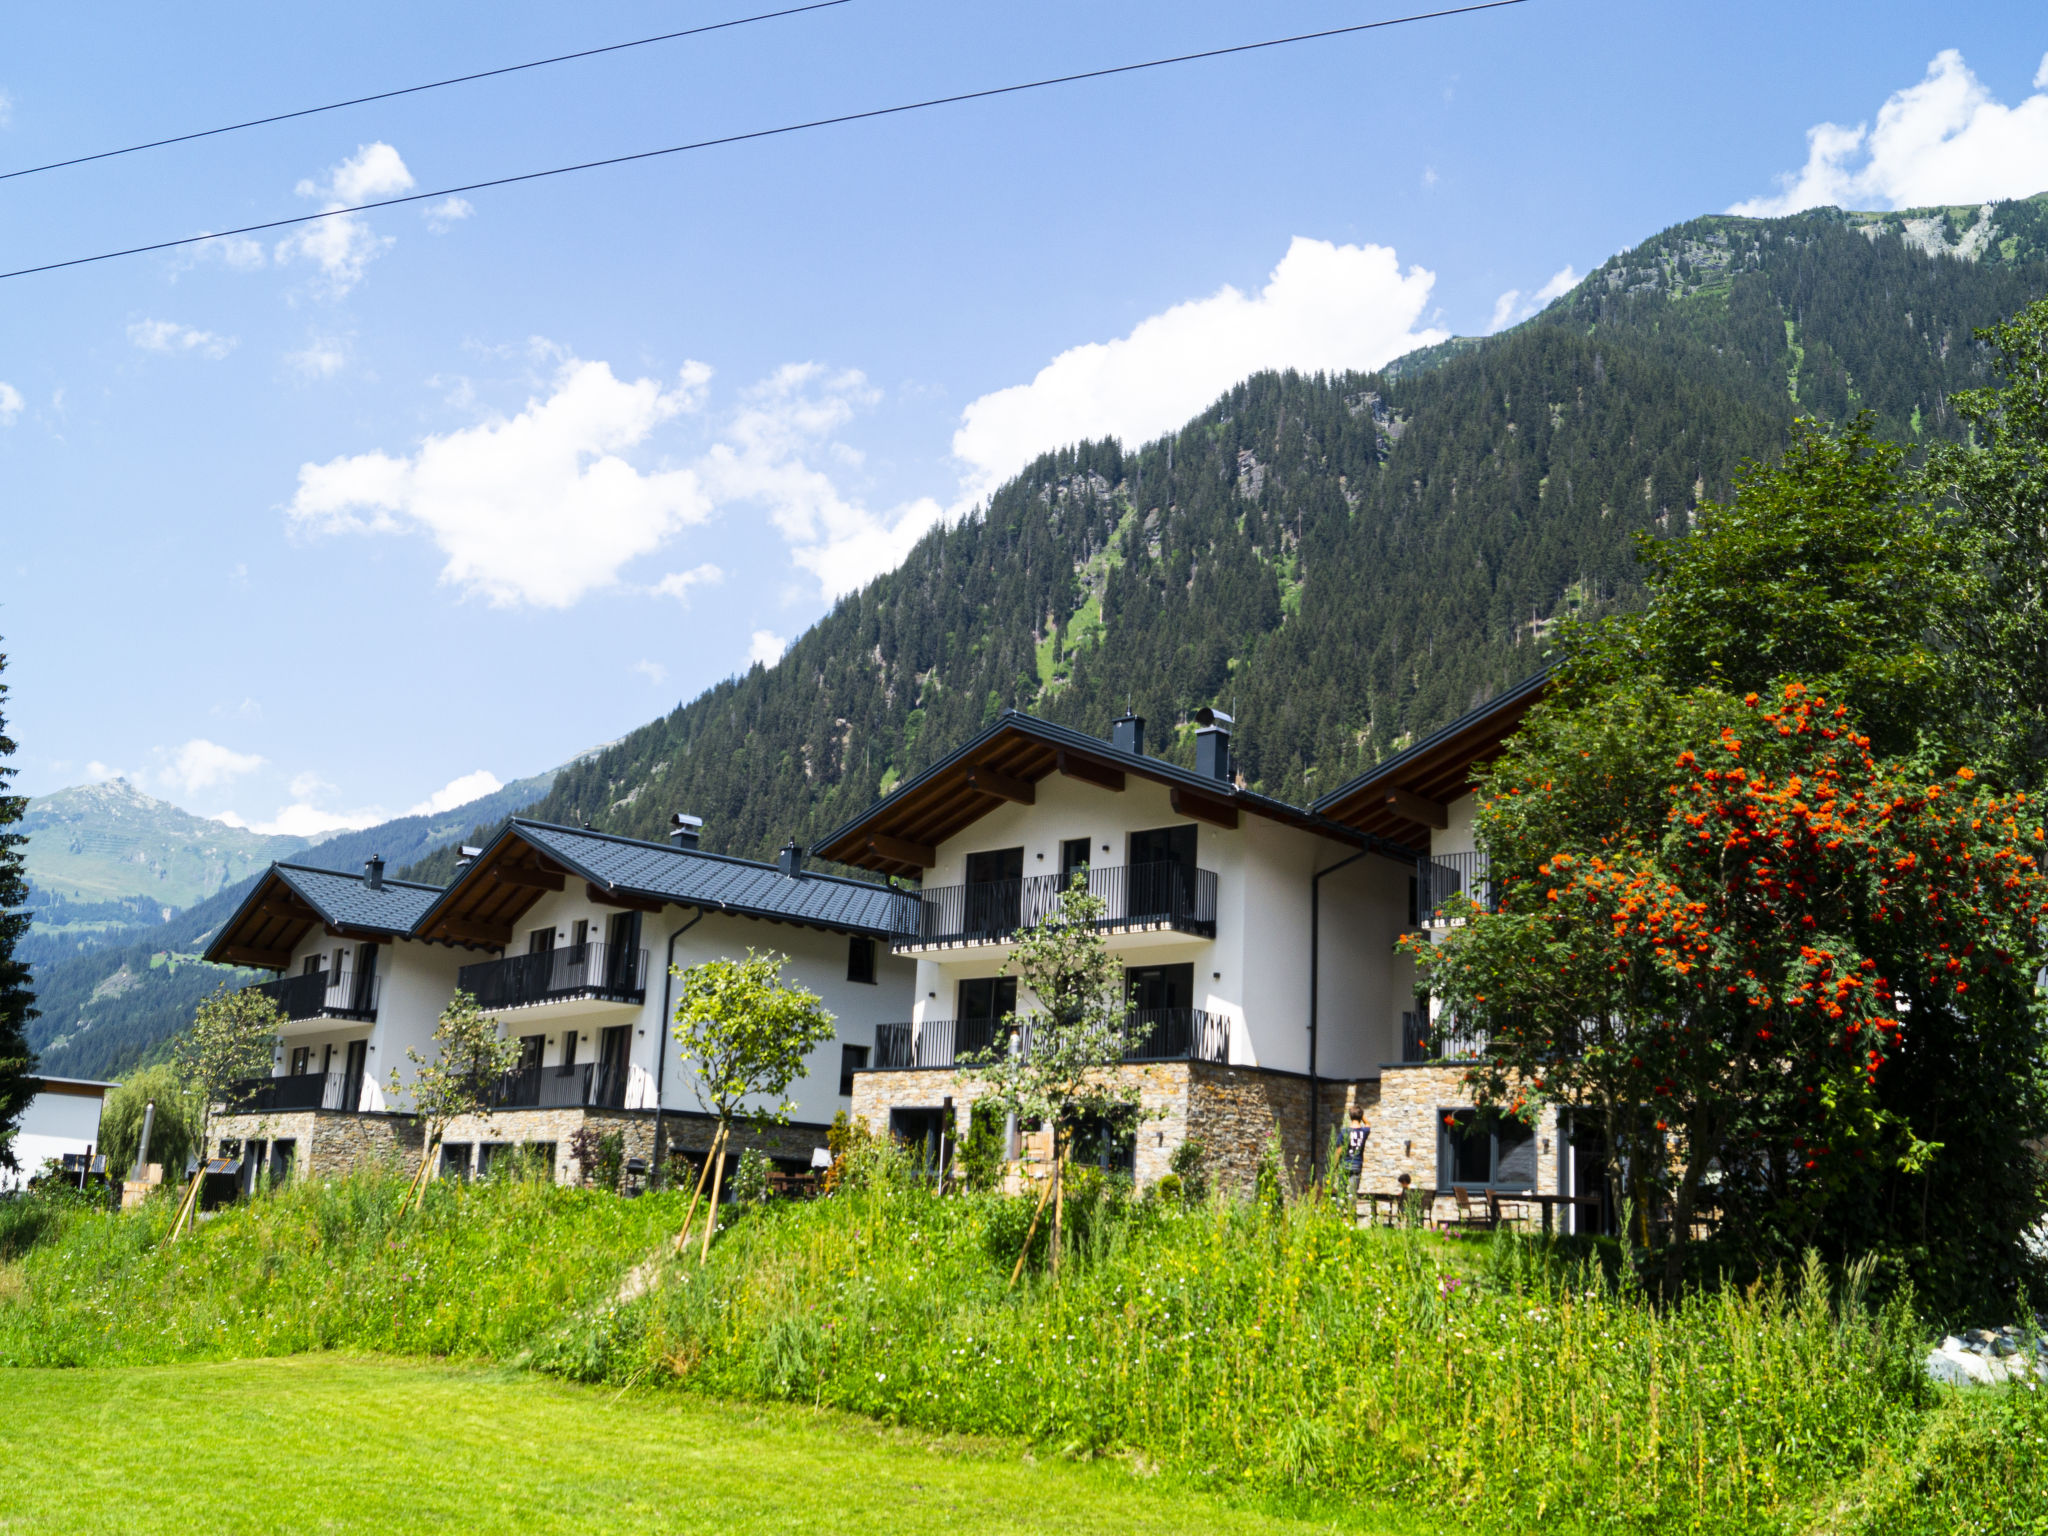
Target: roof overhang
x=483 y=904
x=1409 y=795
x=274 y=919
x=1003 y=766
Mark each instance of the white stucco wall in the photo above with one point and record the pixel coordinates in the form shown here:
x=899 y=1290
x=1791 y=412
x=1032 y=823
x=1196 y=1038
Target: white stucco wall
x=415 y=982
x=52 y=1125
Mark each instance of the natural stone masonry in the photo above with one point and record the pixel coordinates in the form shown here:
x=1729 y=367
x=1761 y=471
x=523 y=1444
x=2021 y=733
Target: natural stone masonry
x=1404 y=1125
x=329 y=1143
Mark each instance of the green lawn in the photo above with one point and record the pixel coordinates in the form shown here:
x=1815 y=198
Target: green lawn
x=317 y=1443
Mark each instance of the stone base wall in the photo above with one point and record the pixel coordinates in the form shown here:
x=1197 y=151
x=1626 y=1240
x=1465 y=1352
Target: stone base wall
x=330 y=1143
x=1404 y=1123
x=685 y=1133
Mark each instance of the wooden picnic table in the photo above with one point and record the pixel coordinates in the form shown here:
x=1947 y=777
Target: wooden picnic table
x=1498 y=1198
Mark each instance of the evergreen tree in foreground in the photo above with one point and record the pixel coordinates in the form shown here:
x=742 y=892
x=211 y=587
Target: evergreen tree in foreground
x=16 y=1000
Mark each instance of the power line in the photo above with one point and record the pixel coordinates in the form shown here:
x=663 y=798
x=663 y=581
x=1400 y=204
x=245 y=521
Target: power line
x=413 y=90
x=766 y=133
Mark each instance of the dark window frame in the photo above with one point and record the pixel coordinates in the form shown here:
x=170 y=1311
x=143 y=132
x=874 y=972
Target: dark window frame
x=852 y=1059
x=1505 y=1138
x=860 y=960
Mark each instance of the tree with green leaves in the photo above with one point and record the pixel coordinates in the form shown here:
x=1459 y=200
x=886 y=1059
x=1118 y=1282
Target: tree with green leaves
x=1056 y=1068
x=17 y=999
x=471 y=1054
x=233 y=1035
x=747 y=1032
x=174 y=1134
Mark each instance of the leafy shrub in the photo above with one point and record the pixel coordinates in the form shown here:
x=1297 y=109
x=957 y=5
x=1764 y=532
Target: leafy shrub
x=750 y=1179
x=600 y=1159
x=1190 y=1164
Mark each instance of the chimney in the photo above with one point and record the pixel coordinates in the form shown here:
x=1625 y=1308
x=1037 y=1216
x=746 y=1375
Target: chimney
x=374 y=868
x=466 y=856
x=1212 y=744
x=1127 y=734
x=687 y=830
x=791 y=859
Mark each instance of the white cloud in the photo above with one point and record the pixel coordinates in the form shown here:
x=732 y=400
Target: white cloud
x=677 y=584
x=342 y=246
x=302 y=820
x=6 y=110
x=10 y=404
x=306 y=785
x=1510 y=307
x=201 y=764
x=767 y=648
x=471 y=786
x=1945 y=140
x=446 y=214
x=653 y=671
x=97 y=772
x=322 y=358
x=169 y=336
x=1325 y=306
x=787 y=416
x=538 y=509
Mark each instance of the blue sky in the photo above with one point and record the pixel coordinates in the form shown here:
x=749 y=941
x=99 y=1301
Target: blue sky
x=310 y=528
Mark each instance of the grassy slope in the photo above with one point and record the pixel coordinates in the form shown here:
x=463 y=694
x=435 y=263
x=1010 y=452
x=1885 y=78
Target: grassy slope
x=326 y=1443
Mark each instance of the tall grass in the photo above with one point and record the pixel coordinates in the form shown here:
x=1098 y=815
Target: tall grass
x=1278 y=1351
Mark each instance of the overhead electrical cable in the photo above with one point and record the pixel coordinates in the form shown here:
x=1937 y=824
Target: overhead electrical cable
x=414 y=90
x=763 y=133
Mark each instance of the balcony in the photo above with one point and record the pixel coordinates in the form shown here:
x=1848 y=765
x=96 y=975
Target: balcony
x=559 y=983
x=586 y=1086
x=283 y=1095
x=1440 y=877
x=1137 y=898
x=1146 y=1035
x=1444 y=1039
x=341 y=994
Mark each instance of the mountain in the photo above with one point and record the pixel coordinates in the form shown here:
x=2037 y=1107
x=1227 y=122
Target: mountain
x=110 y=992
x=107 y=842
x=1344 y=562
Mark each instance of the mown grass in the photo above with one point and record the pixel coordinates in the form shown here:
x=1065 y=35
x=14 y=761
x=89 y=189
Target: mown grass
x=345 y=1444
x=1277 y=1353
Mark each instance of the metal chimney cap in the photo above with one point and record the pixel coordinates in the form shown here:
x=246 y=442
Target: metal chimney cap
x=683 y=819
x=467 y=852
x=1208 y=716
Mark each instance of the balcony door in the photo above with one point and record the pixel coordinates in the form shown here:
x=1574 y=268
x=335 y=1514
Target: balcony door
x=1161 y=999
x=353 y=1066
x=365 y=999
x=614 y=1062
x=622 y=952
x=1161 y=873
x=984 y=1002
x=994 y=894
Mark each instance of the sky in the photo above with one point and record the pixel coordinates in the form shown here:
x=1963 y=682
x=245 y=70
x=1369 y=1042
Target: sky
x=311 y=527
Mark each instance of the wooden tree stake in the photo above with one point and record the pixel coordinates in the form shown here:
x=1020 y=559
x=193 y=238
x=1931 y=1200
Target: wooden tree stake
x=1031 y=1231
x=703 y=1174
x=711 y=1215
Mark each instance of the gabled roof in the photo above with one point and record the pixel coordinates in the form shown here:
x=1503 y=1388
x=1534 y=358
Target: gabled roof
x=899 y=835
x=290 y=898
x=527 y=859
x=1408 y=794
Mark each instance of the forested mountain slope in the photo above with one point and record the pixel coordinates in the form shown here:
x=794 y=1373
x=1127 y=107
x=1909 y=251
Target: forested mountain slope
x=1345 y=563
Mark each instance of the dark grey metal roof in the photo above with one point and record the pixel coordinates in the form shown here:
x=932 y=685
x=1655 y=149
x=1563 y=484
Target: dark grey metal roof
x=346 y=901
x=691 y=877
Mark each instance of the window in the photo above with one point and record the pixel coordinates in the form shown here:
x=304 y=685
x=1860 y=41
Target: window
x=540 y=940
x=312 y=965
x=860 y=960
x=455 y=1159
x=1073 y=859
x=1483 y=1149
x=852 y=1059
x=281 y=1156
x=302 y=1059
x=579 y=935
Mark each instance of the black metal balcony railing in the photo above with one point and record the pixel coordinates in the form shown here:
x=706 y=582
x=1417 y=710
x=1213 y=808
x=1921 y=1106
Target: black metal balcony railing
x=586 y=1085
x=1134 y=896
x=340 y=994
x=1151 y=1034
x=1441 y=876
x=574 y=970
x=307 y=1090
x=1442 y=1039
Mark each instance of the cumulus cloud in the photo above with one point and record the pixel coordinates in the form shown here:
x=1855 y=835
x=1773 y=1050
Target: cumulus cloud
x=302 y=820
x=10 y=404
x=677 y=584
x=201 y=764
x=537 y=509
x=321 y=358
x=459 y=791
x=1512 y=306
x=6 y=110
x=764 y=459
x=1944 y=140
x=446 y=214
x=169 y=336
x=1324 y=306
x=342 y=246
x=97 y=772
x=653 y=671
x=767 y=648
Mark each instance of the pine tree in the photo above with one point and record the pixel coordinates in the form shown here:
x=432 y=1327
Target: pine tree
x=17 y=1001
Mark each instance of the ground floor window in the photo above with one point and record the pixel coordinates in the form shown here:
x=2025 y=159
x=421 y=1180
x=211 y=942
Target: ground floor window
x=1482 y=1148
x=455 y=1159
x=1111 y=1147
x=924 y=1132
x=282 y=1154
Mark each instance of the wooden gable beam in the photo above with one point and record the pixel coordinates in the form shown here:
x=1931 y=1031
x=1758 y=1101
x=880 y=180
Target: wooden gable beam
x=1088 y=771
x=1429 y=813
x=527 y=879
x=604 y=898
x=262 y=959
x=902 y=851
x=1186 y=802
x=494 y=935
x=1002 y=786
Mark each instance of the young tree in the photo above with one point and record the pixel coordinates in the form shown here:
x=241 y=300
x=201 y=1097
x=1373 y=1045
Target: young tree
x=173 y=1134
x=471 y=1055
x=748 y=1032
x=1053 y=1068
x=233 y=1036
x=17 y=1061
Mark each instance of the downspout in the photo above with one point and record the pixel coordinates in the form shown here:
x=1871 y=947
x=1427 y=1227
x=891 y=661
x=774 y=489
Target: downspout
x=668 y=977
x=1315 y=955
